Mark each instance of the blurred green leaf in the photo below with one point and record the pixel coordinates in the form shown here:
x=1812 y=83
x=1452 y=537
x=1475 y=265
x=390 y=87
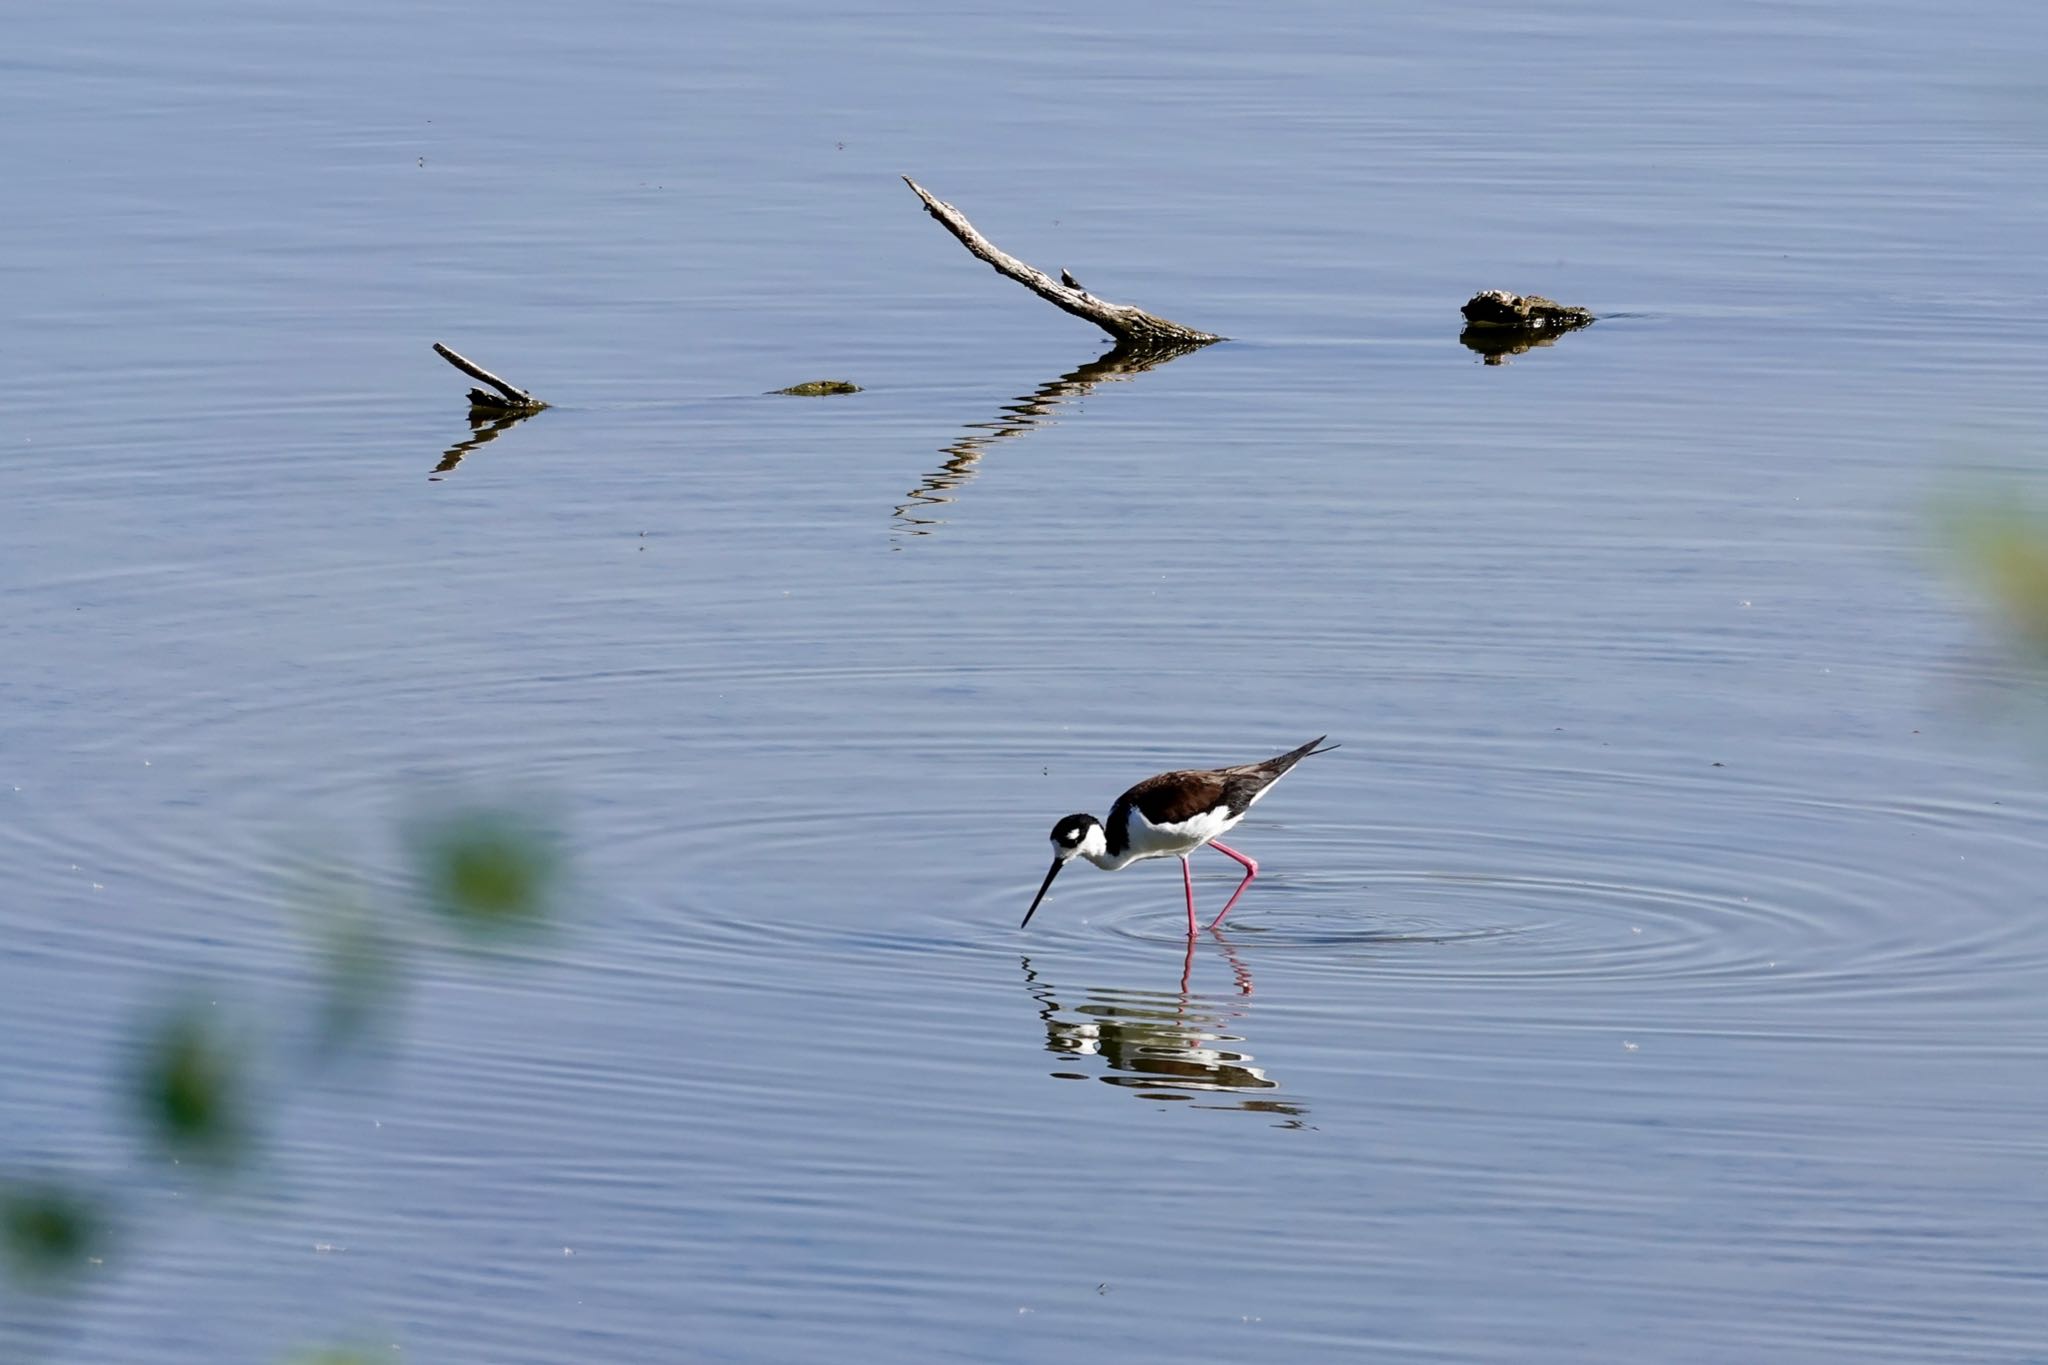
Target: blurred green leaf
x=488 y=872
x=192 y=1087
x=48 y=1230
x=2002 y=544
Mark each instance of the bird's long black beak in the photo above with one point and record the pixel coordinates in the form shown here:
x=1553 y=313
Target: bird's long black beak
x=1043 y=887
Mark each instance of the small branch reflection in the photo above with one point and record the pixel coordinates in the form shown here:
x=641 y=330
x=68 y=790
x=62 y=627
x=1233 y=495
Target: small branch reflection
x=1163 y=1045
x=483 y=429
x=917 y=516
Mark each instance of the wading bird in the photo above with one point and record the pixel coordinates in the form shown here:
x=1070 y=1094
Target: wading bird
x=1170 y=816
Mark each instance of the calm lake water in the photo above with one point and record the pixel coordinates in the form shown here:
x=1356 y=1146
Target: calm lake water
x=1658 y=972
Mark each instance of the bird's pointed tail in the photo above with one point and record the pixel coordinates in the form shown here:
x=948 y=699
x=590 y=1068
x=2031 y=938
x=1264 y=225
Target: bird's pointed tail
x=1280 y=763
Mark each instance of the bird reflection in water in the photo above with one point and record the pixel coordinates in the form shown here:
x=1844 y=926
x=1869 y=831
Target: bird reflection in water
x=483 y=429
x=918 y=515
x=1163 y=1045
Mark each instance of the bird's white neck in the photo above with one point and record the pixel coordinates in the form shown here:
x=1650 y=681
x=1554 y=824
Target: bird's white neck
x=1094 y=846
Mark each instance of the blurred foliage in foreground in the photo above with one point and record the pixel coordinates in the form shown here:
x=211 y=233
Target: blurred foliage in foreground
x=191 y=1088
x=47 y=1229
x=2002 y=544
x=487 y=873
x=479 y=875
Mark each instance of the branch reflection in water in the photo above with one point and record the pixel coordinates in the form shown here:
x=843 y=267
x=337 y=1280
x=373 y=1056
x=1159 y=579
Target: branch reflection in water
x=1034 y=409
x=483 y=429
x=1163 y=1045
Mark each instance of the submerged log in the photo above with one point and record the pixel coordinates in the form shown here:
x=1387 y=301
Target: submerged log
x=506 y=399
x=1129 y=324
x=1532 y=312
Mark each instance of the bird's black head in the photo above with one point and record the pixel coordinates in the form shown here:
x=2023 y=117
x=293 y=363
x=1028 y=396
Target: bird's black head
x=1071 y=837
x=1071 y=833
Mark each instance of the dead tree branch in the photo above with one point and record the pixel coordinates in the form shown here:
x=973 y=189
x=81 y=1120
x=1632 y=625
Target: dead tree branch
x=1130 y=325
x=512 y=400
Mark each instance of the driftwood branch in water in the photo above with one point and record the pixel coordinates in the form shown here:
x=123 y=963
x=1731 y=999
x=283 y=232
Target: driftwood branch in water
x=1131 y=326
x=512 y=400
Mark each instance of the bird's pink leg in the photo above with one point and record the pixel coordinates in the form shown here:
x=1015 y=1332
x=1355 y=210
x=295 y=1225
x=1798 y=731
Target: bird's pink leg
x=1187 y=877
x=1251 y=870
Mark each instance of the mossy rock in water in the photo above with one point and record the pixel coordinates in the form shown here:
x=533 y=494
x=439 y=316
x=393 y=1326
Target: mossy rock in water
x=818 y=388
x=1499 y=308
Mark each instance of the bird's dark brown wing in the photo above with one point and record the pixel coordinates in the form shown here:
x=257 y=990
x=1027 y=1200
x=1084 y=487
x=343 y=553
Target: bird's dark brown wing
x=1171 y=798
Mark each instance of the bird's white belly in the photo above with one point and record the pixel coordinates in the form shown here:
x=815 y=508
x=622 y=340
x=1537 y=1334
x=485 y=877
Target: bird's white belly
x=1144 y=839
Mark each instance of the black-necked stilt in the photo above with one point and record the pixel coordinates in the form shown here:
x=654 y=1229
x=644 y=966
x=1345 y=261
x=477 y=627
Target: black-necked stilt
x=1170 y=816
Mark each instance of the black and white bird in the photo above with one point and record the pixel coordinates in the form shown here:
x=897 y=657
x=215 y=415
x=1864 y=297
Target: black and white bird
x=1170 y=816
x=1067 y=279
